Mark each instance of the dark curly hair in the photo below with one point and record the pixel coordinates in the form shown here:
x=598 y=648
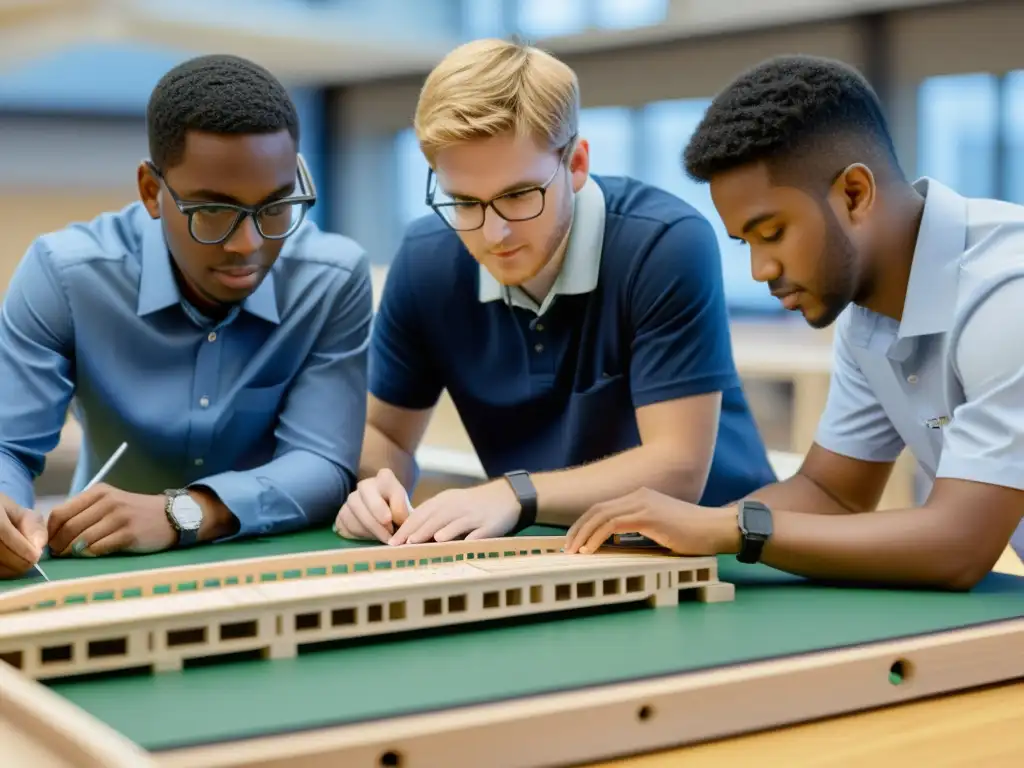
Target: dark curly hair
x=801 y=115
x=216 y=94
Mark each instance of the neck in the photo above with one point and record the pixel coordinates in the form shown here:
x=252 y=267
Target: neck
x=893 y=255
x=538 y=286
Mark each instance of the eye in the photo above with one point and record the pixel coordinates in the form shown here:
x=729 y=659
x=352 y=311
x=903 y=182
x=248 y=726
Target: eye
x=773 y=237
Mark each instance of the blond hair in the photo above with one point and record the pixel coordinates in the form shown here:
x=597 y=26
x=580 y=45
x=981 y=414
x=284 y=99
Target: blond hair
x=488 y=87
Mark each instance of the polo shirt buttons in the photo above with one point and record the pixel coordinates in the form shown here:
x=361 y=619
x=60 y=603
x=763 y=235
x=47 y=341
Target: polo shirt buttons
x=539 y=327
x=912 y=378
x=199 y=462
x=538 y=347
x=204 y=402
x=212 y=337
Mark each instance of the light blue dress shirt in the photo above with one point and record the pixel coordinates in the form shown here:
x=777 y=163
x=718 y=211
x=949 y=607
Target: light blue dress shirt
x=947 y=381
x=265 y=408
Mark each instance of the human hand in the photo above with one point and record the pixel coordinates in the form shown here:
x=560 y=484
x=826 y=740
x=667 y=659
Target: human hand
x=22 y=538
x=374 y=508
x=482 y=512
x=684 y=528
x=104 y=519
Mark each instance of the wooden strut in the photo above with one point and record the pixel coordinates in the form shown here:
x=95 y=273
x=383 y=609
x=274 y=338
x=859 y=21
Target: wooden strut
x=190 y=578
x=278 y=618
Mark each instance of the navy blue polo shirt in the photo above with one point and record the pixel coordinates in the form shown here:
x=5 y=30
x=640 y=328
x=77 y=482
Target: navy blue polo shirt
x=639 y=317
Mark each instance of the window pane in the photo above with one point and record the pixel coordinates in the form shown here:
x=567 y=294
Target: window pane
x=609 y=131
x=668 y=126
x=626 y=14
x=548 y=18
x=958 y=130
x=1013 y=135
x=412 y=177
x=482 y=18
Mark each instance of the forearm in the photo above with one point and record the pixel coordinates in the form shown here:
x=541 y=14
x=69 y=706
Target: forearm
x=380 y=452
x=800 y=493
x=564 y=495
x=296 y=490
x=911 y=547
x=15 y=480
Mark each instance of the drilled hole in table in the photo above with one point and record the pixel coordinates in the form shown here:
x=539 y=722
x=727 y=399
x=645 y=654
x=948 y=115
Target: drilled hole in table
x=391 y=759
x=644 y=713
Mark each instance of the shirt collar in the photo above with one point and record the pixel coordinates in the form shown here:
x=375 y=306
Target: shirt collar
x=158 y=288
x=934 y=273
x=582 y=264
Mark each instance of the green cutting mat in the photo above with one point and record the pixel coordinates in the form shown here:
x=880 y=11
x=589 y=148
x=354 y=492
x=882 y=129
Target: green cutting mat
x=773 y=615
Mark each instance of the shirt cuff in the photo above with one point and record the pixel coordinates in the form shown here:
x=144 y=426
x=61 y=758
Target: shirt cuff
x=856 y=449
x=246 y=498
x=1008 y=474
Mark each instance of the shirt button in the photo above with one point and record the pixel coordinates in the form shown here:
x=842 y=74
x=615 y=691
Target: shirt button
x=204 y=401
x=212 y=337
x=912 y=378
x=539 y=347
x=199 y=462
x=540 y=326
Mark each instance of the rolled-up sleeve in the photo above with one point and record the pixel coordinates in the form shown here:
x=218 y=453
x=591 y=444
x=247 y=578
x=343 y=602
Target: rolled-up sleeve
x=854 y=423
x=36 y=384
x=984 y=440
x=319 y=431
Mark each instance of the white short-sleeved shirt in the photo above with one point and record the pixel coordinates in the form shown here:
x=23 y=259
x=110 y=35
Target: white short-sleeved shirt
x=946 y=381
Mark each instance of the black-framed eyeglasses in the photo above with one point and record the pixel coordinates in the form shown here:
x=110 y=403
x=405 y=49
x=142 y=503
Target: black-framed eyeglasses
x=517 y=205
x=212 y=223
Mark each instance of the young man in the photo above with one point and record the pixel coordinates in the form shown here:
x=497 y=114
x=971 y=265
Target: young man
x=578 y=322
x=210 y=326
x=926 y=289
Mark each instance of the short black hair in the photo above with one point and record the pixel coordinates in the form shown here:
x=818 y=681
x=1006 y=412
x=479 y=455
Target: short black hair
x=216 y=94
x=792 y=113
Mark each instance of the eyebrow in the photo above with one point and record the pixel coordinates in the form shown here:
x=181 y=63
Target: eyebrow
x=212 y=196
x=517 y=187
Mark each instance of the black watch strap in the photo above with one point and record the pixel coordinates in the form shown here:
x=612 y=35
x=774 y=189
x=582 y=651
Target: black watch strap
x=525 y=491
x=755 y=522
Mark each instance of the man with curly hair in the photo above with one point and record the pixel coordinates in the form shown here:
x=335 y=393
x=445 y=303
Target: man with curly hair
x=925 y=288
x=211 y=326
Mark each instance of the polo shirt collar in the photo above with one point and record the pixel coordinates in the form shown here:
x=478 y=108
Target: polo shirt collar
x=934 y=275
x=582 y=264
x=158 y=288
x=935 y=271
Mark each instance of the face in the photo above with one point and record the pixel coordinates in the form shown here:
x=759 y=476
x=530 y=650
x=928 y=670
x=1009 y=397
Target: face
x=246 y=170
x=482 y=170
x=811 y=251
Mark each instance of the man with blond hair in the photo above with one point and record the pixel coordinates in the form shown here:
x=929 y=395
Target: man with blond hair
x=578 y=322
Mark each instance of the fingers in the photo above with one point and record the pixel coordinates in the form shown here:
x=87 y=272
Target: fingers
x=31 y=525
x=102 y=526
x=584 y=529
x=396 y=496
x=62 y=513
x=18 y=553
x=118 y=539
x=62 y=541
x=629 y=523
x=369 y=522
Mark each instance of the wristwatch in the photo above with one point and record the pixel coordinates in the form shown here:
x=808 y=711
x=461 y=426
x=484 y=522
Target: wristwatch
x=525 y=491
x=755 y=521
x=185 y=515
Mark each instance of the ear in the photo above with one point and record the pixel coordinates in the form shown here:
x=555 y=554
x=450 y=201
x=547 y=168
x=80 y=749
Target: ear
x=856 y=190
x=579 y=164
x=149 y=189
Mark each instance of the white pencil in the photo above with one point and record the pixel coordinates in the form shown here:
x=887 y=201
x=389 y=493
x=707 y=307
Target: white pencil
x=104 y=471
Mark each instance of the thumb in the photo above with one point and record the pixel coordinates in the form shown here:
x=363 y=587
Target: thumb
x=31 y=525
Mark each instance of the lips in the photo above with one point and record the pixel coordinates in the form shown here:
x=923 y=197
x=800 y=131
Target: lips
x=506 y=254
x=238 y=278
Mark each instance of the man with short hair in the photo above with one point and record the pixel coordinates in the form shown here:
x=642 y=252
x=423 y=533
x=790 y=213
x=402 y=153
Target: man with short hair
x=926 y=289
x=210 y=326
x=578 y=323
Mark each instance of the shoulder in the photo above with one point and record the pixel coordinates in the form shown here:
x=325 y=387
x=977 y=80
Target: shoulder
x=431 y=260
x=110 y=237
x=311 y=249
x=651 y=234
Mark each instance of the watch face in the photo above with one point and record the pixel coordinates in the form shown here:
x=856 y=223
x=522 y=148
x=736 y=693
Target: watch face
x=187 y=513
x=757 y=520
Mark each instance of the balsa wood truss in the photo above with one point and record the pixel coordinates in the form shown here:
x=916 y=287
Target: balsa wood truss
x=160 y=619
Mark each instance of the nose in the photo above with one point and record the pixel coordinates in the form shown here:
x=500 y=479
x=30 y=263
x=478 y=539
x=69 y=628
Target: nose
x=495 y=228
x=245 y=240
x=764 y=269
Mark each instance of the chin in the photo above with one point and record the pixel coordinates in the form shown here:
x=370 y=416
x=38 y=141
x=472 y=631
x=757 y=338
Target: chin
x=511 y=271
